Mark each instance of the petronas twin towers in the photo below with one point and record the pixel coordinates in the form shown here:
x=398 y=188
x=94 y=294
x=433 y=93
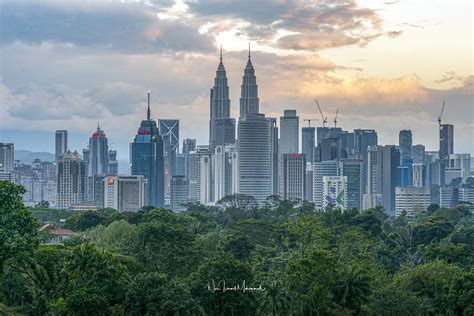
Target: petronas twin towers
x=257 y=144
x=221 y=125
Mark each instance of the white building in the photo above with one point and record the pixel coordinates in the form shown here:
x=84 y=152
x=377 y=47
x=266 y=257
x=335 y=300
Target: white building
x=225 y=164
x=206 y=186
x=335 y=191
x=321 y=169
x=292 y=176
x=418 y=175
x=124 y=193
x=412 y=200
x=371 y=200
x=71 y=180
x=289 y=132
x=463 y=162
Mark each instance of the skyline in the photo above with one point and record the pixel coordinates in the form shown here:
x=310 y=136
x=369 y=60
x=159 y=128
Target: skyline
x=70 y=79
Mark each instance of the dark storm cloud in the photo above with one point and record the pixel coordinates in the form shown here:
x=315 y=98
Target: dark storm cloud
x=116 y=27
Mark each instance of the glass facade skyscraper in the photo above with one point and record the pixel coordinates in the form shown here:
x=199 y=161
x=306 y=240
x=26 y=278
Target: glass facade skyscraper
x=146 y=157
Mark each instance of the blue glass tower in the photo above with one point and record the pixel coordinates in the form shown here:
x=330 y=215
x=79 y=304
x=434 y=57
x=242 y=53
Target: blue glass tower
x=146 y=156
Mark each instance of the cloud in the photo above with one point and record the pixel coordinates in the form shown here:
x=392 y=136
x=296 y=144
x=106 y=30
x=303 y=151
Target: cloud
x=115 y=27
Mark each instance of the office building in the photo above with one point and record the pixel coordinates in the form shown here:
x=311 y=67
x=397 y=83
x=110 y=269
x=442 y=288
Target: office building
x=363 y=138
x=418 y=175
x=327 y=132
x=124 y=193
x=61 y=144
x=411 y=200
x=193 y=166
x=371 y=200
x=189 y=144
x=225 y=171
x=71 y=186
x=292 y=176
x=405 y=143
x=98 y=161
x=255 y=156
x=308 y=143
x=7 y=161
x=249 y=102
x=309 y=181
x=275 y=156
x=335 y=192
x=330 y=149
x=289 y=132
x=206 y=180
x=383 y=174
x=436 y=173
x=169 y=131
x=353 y=170
x=321 y=169
x=221 y=126
x=146 y=157
x=463 y=162
x=179 y=193
x=418 y=153
x=113 y=163
x=446 y=141
x=448 y=197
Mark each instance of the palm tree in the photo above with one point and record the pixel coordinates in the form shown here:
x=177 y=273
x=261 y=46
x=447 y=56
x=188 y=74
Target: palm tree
x=353 y=288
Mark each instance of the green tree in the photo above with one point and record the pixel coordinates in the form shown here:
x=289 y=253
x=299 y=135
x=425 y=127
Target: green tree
x=154 y=294
x=84 y=220
x=18 y=229
x=353 y=288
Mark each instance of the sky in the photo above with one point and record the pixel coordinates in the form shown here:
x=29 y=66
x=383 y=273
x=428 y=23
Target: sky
x=386 y=65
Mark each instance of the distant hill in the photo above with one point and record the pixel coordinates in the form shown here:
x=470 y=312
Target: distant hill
x=27 y=157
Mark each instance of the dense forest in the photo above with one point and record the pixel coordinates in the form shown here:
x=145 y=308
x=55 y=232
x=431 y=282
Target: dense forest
x=282 y=258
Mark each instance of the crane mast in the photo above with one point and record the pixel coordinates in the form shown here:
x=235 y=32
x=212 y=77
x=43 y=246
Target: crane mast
x=325 y=119
x=440 y=116
x=335 y=118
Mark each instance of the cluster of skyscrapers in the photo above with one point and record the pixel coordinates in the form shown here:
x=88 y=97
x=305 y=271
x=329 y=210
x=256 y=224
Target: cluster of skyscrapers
x=254 y=156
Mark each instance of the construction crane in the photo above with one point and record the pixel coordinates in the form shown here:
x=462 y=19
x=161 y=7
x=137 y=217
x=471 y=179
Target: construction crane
x=440 y=116
x=335 y=118
x=309 y=121
x=325 y=119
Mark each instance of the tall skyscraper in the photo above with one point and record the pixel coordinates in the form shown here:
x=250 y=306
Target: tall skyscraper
x=6 y=161
x=189 y=144
x=289 y=132
x=412 y=200
x=221 y=126
x=146 y=156
x=179 y=193
x=363 y=138
x=169 y=130
x=335 y=192
x=255 y=156
x=71 y=180
x=321 y=169
x=61 y=143
x=383 y=174
x=463 y=162
x=327 y=132
x=446 y=141
x=405 y=143
x=275 y=148
x=308 y=143
x=292 y=176
x=249 y=102
x=330 y=149
x=98 y=153
x=225 y=171
x=113 y=163
x=418 y=153
x=353 y=170
x=193 y=167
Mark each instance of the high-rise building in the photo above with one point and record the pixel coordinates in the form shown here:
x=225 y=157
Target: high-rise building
x=289 y=132
x=255 y=156
x=98 y=153
x=463 y=162
x=327 y=132
x=383 y=174
x=249 y=102
x=371 y=200
x=363 y=138
x=292 y=176
x=221 y=126
x=446 y=141
x=225 y=171
x=113 y=163
x=419 y=177
x=7 y=160
x=330 y=149
x=418 y=153
x=169 y=130
x=61 y=143
x=308 y=143
x=335 y=192
x=179 y=193
x=146 y=156
x=206 y=183
x=353 y=170
x=71 y=185
x=124 y=193
x=321 y=169
x=189 y=145
x=405 y=143
x=436 y=173
x=193 y=166
x=411 y=200
x=448 y=196
x=275 y=148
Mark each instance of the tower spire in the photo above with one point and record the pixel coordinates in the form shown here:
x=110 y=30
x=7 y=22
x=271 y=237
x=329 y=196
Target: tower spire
x=98 y=126
x=148 y=110
x=249 y=50
x=221 y=53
